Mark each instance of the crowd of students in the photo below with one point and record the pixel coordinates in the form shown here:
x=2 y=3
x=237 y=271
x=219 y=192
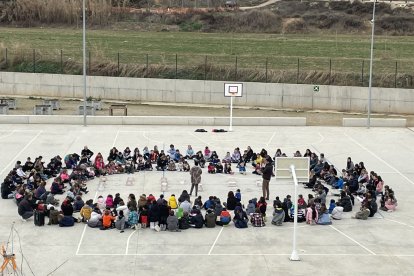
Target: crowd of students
x=26 y=184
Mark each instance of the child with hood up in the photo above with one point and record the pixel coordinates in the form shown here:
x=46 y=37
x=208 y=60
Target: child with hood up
x=78 y=204
x=109 y=202
x=251 y=208
x=172 y=202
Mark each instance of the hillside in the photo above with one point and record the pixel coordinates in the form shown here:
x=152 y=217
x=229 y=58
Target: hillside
x=282 y=17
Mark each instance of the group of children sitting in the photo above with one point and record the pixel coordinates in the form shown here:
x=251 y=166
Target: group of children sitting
x=27 y=185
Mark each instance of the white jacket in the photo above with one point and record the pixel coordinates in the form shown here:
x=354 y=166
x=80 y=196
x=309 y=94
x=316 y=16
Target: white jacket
x=337 y=212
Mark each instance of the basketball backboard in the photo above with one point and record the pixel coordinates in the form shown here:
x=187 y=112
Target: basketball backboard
x=233 y=89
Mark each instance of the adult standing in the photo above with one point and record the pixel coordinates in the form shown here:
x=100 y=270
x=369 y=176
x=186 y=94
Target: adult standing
x=195 y=173
x=267 y=172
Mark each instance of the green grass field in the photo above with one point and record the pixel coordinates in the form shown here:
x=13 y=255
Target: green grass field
x=282 y=51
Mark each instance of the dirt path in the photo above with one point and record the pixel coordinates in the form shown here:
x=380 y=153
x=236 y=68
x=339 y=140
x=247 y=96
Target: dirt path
x=322 y=118
x=267 y=3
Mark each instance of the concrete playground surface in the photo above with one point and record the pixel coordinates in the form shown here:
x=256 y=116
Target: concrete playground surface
x=382 y=245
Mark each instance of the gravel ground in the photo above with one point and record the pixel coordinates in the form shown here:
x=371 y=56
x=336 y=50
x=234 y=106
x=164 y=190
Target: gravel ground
x=314 y=118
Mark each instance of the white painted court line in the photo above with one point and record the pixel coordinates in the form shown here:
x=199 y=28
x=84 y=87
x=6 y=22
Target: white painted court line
x=127 y=245
x=379 y=158
x=8 y=135
x=270 y=140
x=19 y=153
x=144 y=134
x=84 y=228
x=94 y=199
x=342 y=233
x=116 y=137
x=81 y=239
x=399 y=222
x=247 y=254
x=212 y=247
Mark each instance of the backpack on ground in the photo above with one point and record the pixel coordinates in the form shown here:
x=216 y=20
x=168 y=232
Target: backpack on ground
x=67 y=221
x=39 y=218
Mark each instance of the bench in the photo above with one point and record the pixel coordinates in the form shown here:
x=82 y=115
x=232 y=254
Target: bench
x=119 y=107
x=95 y=104
x=42 y=109
x=90 y=110
x=10 y=102
x=4 y=109
x=53 y=102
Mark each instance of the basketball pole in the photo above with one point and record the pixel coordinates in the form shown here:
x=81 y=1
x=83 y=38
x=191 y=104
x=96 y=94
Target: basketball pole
x=295 y=256
x=231 y=114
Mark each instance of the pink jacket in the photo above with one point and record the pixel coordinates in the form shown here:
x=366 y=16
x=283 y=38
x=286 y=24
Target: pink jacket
x=309 y=219
x=109 y=202
x=64 y=176
x=380 y=185
x=390 y=204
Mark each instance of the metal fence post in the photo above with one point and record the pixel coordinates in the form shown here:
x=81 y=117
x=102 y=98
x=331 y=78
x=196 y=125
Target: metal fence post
x=7 y=61
x=205 y=68
x=176 y=65
x=266 y=68
x=61 y=61
x=297 y=74
x=89 y=62
x=146 y=68
x=34 y=61
x=396 y=72
x=330 y=71
x=362 y=73
x=235 y=71
x=118 y=63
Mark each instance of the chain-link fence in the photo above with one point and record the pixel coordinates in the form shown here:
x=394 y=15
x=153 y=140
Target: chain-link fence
x=323 y=71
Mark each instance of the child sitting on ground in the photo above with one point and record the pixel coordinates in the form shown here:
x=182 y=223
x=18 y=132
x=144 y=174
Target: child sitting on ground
x=86 y=211
x=101 y=203
x=186 y=166
x=227 y=168
x=120 y=221
x=180 y=165
x=219 y=167
x=198 y=202
x=172 y=202
x=242 y=168
x=132 y=218
x=301 y=202
x=53 y=216
x=109 y=202
x=238 y=195
x=78 y=204
x=171 y=166
x=107 y=220
x=262 y=206
x=311 y=215
x=211 y=168
x=251 y=208
x=143 y=217
x=332 y=205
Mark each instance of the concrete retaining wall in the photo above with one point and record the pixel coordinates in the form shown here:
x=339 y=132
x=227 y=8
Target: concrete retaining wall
x=375 y=122
x=273 y=95
x=152 y=120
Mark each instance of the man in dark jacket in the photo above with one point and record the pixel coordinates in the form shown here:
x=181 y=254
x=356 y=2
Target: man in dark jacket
x=25 y=208
x=267 y=172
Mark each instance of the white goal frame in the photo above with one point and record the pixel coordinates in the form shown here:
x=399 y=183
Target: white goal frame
x=296 y=168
